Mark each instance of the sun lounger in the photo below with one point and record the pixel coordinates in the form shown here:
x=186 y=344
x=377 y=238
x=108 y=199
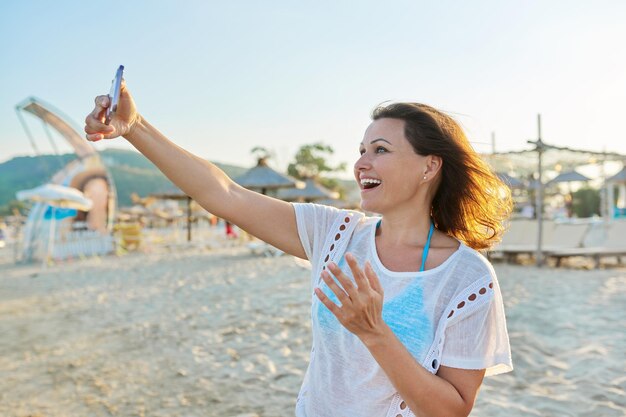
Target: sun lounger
x=521 y=238
x=613 y=245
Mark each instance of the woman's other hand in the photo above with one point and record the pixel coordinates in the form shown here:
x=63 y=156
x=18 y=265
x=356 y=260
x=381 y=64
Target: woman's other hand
x=122 y=123
x=361 y=304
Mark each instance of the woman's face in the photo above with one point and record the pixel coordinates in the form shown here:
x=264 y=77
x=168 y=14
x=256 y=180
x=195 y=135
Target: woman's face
x=389 y=172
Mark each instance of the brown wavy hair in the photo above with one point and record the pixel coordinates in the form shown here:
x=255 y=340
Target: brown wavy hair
x=471 y=203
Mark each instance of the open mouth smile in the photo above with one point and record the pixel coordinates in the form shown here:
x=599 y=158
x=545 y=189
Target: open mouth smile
x=369 y=183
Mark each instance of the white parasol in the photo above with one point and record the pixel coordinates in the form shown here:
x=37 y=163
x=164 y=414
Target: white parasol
x=55 y=196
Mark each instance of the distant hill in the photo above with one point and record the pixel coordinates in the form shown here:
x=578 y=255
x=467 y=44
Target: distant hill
x=131 y=172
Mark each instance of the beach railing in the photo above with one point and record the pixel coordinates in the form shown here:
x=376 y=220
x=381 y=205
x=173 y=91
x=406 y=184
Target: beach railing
x=83 y=243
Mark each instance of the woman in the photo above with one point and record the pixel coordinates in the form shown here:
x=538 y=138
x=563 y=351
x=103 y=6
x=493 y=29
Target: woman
x=407 y=315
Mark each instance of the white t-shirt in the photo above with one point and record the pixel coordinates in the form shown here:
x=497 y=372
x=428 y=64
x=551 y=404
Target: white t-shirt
x=451 y=315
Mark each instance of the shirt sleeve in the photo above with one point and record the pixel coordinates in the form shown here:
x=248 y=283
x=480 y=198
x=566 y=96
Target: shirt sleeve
x=314 y=222
x=480 y=340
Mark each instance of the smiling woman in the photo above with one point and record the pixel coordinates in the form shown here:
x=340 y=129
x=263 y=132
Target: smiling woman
x=407 y=317
x=465 y=203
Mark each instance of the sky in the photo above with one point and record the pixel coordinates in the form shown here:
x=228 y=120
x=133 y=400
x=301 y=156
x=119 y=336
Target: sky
x=219 y=78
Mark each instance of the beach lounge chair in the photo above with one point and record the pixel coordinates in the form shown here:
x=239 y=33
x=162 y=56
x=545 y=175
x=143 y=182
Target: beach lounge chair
x=521 y=238
x=613 y=245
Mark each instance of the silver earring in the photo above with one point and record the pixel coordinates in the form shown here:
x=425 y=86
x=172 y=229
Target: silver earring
x=424 y=176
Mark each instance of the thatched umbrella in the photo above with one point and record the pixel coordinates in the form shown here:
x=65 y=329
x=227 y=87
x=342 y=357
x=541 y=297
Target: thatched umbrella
x=569 y=176
x=619 y=177
x=263 y=178
x=177 y=194
x=312 y=191
x=510 y=181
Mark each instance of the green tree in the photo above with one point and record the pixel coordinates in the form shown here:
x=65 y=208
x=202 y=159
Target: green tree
x=261 y=153
x=311 y=162
x=586 y=202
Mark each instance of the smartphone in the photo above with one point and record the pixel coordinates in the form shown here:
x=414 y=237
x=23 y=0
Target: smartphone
x=114 y=94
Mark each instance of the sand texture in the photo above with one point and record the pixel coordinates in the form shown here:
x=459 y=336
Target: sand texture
x=226 y=333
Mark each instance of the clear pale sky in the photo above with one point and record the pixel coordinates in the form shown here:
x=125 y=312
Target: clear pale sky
x=219 y=78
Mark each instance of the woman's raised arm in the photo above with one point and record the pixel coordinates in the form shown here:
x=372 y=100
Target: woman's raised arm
x=267 y=218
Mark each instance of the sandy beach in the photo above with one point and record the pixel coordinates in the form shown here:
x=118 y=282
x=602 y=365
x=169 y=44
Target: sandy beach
x=223 y=332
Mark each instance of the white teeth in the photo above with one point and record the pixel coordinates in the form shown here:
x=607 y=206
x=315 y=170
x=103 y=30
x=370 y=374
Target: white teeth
x=369 y=181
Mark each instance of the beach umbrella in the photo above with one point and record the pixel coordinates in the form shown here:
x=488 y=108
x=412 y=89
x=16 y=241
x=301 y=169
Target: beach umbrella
x=177 y=194
x=510 y=181
x=263 y=178
x=619 y=177
x=55 y=196
x=569 y=176
x=312 y=191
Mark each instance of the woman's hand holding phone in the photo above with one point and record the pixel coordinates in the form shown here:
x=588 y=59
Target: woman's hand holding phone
x=122 y=120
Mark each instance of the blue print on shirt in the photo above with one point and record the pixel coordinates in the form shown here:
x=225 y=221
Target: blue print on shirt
x=404 y=314
x=325 y=317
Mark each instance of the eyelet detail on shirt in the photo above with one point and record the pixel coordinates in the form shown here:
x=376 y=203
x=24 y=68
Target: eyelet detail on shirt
x=471 y=297
x=329 y=254
x=435 y=364
x=399 y=408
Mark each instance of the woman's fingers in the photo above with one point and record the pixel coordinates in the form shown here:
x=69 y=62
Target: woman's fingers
x=94 y=122
x=373 y=278
x=334 y=308
x=343 y=279
x=359 y=277
x=342 y=296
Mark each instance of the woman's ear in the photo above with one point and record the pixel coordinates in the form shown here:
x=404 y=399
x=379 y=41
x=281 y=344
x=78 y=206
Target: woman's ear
x=433 y=166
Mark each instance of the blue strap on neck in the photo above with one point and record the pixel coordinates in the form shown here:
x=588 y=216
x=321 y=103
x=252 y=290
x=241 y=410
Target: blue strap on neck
x=426 y=247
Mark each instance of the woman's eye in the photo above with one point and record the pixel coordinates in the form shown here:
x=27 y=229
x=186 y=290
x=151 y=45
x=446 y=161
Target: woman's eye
x=380 y=149
x=361 y=151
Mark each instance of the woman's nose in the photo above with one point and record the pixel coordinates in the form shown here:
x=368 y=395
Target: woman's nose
x=362 y=163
